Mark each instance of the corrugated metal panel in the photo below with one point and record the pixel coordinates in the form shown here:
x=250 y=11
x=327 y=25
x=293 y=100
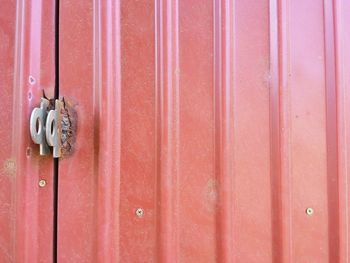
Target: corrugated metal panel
x=26 y=68
x=223 y=120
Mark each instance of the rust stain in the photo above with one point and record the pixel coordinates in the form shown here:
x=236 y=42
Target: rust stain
x=68 y=124
x=69 y=127
x=51 y=102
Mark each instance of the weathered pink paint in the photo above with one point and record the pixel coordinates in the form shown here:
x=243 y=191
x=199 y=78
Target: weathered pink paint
x=223 y=120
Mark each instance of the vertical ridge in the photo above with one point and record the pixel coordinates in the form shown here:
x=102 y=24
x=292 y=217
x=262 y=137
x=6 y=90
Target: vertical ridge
x=331 y=132
x=27 y=61
x=20 y=244
x=280 y=133
x=275 y=146
x=167 y=92
x=285 y=130
x=97 y=109
x=341 y=8
x=223 y=92
x=107 y=106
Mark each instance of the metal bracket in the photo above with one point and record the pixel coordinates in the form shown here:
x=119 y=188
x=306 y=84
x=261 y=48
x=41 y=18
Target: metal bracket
x=45 y=127
x=37 y=126
x=54 y=129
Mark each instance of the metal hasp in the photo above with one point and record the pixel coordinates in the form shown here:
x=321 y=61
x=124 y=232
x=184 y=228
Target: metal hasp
x=54 y=129
x=38 y=124
x=46 y=129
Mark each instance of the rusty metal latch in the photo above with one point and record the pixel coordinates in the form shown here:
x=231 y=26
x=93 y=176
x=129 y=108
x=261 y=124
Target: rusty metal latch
x=45 y=127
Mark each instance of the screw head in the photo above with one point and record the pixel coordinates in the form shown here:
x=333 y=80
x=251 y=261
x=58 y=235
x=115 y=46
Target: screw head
x=139 y=212
x=42 y=183
x=309 y=211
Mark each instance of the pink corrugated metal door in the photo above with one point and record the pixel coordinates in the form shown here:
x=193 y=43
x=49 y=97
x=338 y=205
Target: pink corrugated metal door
x=207 y=131
x=226 y=122
x=26 y=69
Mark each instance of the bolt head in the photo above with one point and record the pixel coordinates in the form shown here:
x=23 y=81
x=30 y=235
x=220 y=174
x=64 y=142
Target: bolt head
x=309 y=211
x=139 y=212
x=42 y=183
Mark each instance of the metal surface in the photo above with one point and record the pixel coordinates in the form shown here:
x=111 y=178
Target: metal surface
x=54 y=129
x=26 y=69
x=46 y=127
x=37 y=126
x=42 y=183
x=224 y=120
x=207 y=131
